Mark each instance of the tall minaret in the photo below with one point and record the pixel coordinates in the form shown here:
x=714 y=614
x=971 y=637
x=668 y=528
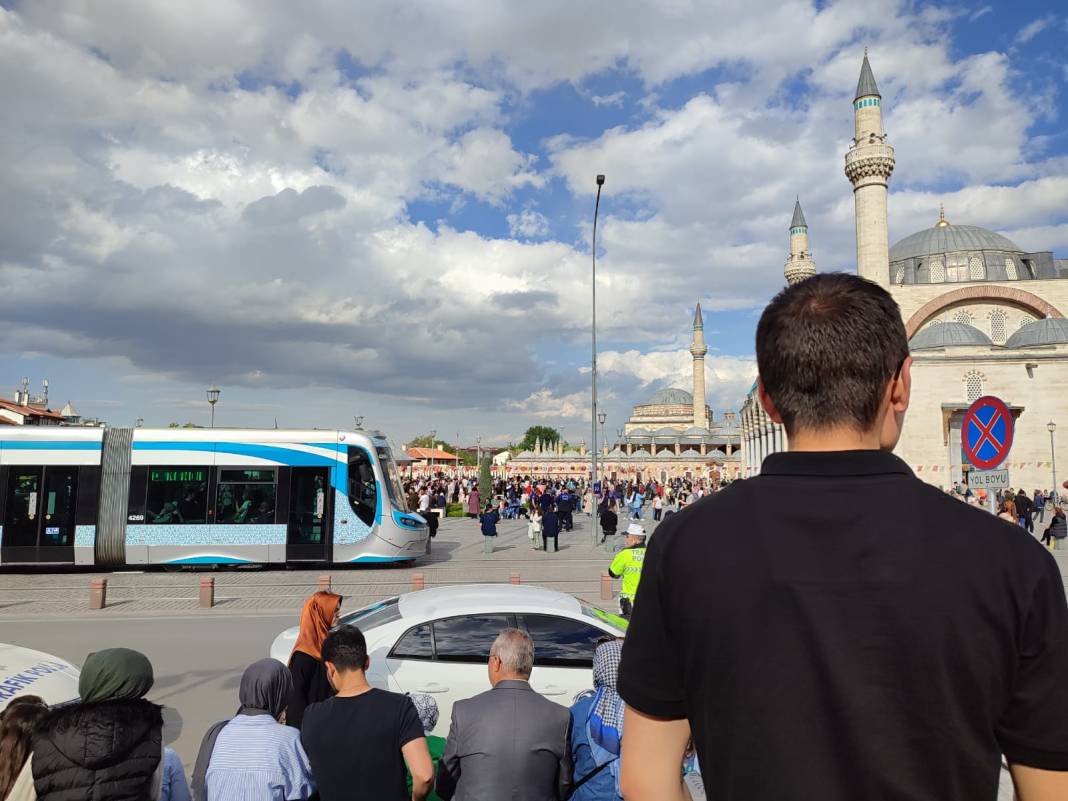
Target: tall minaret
x=799 y=265
x=698 y=349
x=868 y=165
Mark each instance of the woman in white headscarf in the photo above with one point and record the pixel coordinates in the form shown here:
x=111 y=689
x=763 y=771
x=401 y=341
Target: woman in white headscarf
x=597 y=730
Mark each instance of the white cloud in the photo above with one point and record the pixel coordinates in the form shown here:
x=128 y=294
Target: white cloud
x=613 y=99
x=1033 y=29
x=528 y=224
x=979 y=13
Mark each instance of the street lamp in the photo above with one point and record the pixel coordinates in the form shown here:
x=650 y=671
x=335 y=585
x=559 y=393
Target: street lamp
x=601 y=417
x=593 y=360
x=1051 y=427
x=213 y=398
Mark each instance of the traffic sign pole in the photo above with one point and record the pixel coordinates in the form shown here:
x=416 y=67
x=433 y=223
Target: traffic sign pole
x=986 y=435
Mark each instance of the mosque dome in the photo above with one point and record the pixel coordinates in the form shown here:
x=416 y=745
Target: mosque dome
x=946 y=335
x=943 y=239
x=670 y=396
x=1050 y=331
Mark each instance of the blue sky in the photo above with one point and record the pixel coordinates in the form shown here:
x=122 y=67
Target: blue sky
x=386 y=211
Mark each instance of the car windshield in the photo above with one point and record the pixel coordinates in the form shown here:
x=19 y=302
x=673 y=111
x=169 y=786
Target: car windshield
x=615 y=621
x=374 y=615
x=393 y=479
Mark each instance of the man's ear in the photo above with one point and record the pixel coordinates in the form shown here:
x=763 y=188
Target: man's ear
x=768 y=403
x=901 y=389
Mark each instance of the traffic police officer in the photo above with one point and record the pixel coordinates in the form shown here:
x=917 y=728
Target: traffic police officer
x=628 y=566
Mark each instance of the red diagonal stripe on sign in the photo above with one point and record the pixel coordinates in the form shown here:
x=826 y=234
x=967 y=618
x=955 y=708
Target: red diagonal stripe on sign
x=986 y=433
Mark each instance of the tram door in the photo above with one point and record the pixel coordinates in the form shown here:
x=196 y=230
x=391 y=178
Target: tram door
x=39 y=507
x=308 y=536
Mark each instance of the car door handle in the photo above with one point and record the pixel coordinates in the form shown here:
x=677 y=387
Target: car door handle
x=552 y=689
x=433 y=687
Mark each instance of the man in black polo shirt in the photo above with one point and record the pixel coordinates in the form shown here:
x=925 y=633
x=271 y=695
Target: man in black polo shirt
x=836 y=629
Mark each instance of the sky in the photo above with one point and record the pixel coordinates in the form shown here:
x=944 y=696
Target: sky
x=384 y=209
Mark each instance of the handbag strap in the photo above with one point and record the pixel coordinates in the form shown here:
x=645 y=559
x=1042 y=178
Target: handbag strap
x=589 y=776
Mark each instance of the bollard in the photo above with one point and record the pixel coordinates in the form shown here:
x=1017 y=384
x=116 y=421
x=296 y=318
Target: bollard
x=207 y=592
x=606 y=586
x=418 y=582
x=324 y=583
x=487 y=545
x=98 y=593
x=513 y=577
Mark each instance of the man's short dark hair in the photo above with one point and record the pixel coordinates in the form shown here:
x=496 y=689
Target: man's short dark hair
x=345 y=648
x=826 y=349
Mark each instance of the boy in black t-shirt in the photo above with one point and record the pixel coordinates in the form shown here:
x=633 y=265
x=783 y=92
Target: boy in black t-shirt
x=861 y=635
x=359 y=741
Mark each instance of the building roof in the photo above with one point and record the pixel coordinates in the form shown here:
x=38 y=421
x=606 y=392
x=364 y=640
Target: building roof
x=30 y=411
x=671 y=396
x=945 y=335
x=1050 y=331
x=698 y=318
x=866 y=85
x=431 y=453
x=798 y=220
x=942 y=239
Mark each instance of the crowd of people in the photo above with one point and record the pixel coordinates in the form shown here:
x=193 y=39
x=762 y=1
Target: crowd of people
x=316 y=728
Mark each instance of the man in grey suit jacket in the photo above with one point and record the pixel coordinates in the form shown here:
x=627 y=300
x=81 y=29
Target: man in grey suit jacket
x=508 y=742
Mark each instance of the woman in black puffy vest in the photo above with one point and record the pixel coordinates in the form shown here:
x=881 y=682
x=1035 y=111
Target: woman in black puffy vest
x=108 y=746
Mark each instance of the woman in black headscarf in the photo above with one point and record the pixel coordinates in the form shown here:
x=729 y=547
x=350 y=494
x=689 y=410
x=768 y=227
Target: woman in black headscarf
x=254 y=755
x=113 y=738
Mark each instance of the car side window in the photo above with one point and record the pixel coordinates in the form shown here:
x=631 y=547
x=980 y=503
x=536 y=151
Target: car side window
x=562 y=641
x=468 y=638
x=417 y=643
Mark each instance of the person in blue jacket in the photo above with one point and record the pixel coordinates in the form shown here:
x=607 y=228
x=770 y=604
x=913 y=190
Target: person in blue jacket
x=550 y=527
x=597 y=730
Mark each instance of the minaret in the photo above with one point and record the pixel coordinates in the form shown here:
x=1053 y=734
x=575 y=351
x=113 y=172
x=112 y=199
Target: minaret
x=868 y=165
x=799 y=265
x=698 y=349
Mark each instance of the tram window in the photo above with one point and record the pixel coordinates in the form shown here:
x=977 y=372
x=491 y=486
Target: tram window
x=246 y=496
x=363 y=491
x=177 y=495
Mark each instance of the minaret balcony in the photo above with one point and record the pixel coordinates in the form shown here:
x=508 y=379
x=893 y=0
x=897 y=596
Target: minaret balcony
x=869 y=163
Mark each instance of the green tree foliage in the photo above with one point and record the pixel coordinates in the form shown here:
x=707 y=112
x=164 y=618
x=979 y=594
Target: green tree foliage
x=426 y=441
x=547 y=435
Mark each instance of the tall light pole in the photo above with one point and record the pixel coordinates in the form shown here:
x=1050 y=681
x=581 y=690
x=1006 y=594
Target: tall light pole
x=593 y=360
x=433 y=435
x=1051 y=427
x=601 y=417
x=213 y=398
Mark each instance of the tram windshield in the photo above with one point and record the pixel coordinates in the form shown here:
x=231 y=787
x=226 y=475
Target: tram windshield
x=393 y=479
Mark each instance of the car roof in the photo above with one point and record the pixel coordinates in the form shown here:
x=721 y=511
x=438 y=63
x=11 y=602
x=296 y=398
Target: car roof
x=465 y=598
x=24 y=671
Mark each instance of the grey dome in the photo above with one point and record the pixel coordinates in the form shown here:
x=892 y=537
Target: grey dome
x=1050 y=331
x=670 y=396
x=950 y=239
x=946 y=335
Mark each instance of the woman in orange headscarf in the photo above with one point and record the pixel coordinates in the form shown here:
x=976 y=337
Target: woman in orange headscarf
x=310 y=685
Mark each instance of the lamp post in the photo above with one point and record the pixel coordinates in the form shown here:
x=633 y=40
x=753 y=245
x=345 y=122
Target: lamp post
x=601 y=417
x=593 y=360
x=1051 y=427
x=478 y=453
x=433 y=434
x=213 y=398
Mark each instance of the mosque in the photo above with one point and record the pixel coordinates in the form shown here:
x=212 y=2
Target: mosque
x=983 y=316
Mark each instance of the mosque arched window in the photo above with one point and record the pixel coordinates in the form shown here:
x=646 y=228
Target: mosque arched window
x=1010 y=270
x=998 y=326
x=899 y=274
x=976 y=269
x=1027 y=318
x=938 y=271
x=973 y=385
x=964 y=317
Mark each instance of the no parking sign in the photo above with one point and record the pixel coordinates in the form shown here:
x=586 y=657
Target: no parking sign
x=986 y=433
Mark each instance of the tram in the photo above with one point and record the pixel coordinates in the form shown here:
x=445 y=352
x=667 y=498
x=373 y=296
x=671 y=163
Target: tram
x=113 y=497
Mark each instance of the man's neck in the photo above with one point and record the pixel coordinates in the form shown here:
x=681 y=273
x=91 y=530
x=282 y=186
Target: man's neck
x=509 y=677
x=351 y=684
x=835 y=439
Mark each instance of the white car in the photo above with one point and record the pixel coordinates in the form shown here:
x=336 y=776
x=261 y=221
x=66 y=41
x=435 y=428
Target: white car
x=24 y=671
x=437 y=641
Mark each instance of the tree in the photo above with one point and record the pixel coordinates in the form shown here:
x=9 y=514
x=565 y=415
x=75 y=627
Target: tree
x=546 y=434
x=485 y=480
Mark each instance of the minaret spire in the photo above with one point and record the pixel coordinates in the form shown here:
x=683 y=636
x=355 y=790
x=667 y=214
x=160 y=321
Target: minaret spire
x=799 y=264
x=698 y=349
x=868 y=166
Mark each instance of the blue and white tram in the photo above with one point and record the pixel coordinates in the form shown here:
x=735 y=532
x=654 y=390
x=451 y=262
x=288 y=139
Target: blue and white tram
x=120 y=496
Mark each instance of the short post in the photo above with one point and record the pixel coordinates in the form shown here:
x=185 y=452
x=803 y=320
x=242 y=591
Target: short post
x=207 y=592
x=513 y=577
x=324 y=583
x=606 y=586
x=487 y=545
x=98 y=593
x=418 y=582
